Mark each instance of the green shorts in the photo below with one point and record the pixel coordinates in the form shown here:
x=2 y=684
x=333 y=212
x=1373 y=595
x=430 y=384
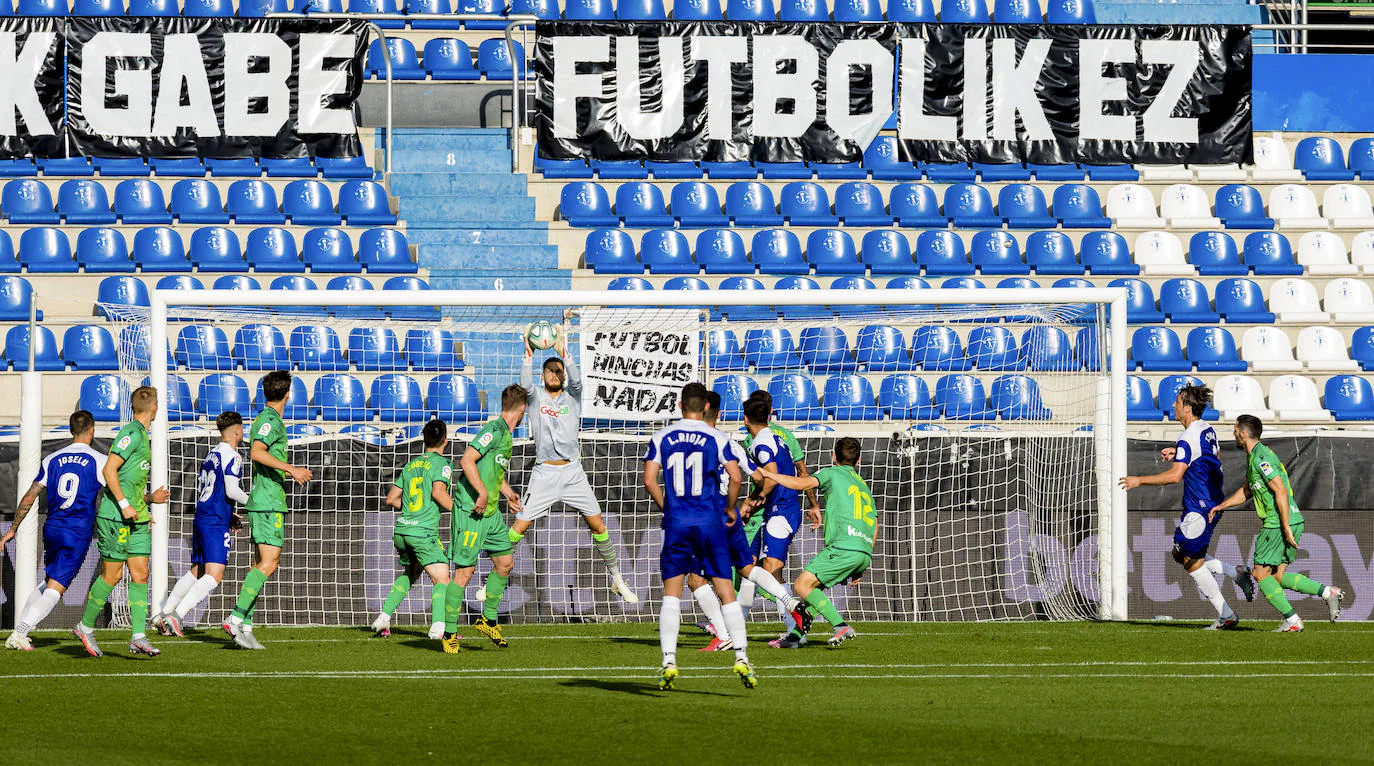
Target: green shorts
x=473 y=535
x=266 y=527
x=833 y=566
x=419 y=552
x=752 y=525
x=1271 y=549
x=122 y=540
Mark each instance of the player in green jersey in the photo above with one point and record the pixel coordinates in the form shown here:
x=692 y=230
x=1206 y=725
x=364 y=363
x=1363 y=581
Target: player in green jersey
x=1266 y=482
x=851 y=528
x=121 y=526
x=421 y=494
x=266 y=507
x=477 y=522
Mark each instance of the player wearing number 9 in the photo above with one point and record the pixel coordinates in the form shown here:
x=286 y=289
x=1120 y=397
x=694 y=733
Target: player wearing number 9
x=72 y=478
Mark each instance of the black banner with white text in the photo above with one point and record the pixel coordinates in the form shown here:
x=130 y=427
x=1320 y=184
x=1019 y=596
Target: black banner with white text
x=792 y=92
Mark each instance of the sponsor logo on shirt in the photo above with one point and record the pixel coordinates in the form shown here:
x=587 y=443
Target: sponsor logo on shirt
x=447 y=472
x=856 y=533
x=484 y=439
x=145 y=466
x=1264 y=466
x=264 y=429
x=124 y=443
x=553 y=412
x=503 y=461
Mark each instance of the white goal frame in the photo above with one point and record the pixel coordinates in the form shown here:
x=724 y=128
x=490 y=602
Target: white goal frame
x=1113 y=551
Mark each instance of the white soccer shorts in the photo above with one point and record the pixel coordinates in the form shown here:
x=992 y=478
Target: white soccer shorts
x=550 y=484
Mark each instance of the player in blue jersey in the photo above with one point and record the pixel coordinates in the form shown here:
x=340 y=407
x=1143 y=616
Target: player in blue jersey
x=1196 y=462
x=72 y=478
x=213 y=529
x=692 y=457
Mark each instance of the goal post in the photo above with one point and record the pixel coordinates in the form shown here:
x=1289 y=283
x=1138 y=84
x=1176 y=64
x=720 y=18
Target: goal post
x=982 y=519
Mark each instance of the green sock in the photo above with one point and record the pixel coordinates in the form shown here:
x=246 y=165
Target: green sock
x=453 y=606
x=95 y=601
x=496 y=588
x=248 y=595
x=1274 y=593
x=399 y=589
x=821 y=603
x=437 y=602
x=138 y=608
x=1301 y=584
x=515 y=537
x=603 y=545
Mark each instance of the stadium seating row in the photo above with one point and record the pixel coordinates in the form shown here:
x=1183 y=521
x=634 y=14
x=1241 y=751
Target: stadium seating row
x=831 y=252
x=305 y=202
x=213 y=249
x=192 y=167
x=130 y=291
x=1291 y=397
x=445 y=59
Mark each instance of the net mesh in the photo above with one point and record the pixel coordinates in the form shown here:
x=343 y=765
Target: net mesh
x=987 y=491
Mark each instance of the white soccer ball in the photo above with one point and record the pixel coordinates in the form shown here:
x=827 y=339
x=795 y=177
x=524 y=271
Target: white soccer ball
x=542 y=335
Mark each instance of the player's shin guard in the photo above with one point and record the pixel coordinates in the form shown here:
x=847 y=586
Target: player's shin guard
x=1207 y=584
x=710 y=606
x=95 y=602
x=399 y=589
x=248 y=595
x=669 y=620
x=199 y=592
x=734 y=622
x=746 y=592
x=1302 y=584
x=1273 y=593
x=179 y=592
x=37 y=608
x=496 y=590
x=438 y=603
x=821 y=603
x=453 y=607
x=138 y=609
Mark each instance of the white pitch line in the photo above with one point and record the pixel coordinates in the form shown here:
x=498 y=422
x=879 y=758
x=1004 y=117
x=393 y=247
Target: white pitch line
x=648 y=674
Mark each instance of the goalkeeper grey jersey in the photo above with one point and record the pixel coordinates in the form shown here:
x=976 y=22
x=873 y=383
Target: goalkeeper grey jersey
x=554 y=420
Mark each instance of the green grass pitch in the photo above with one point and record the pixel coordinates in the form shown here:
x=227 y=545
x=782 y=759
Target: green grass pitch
x=949 y=693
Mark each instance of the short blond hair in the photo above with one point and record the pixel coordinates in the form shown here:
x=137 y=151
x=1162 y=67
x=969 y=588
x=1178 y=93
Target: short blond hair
x=143 y=398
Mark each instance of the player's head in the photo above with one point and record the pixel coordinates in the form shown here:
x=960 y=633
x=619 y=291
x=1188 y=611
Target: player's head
x=756 y=412
x=276 y=386
x=847 y=451
x=1248 y=430
x=514 y=400
x=1191 y=402
x=555 y=374
x=143 y=402
x=765 y=397
x=82 y=425
x=693 y=399
x=712 y=412
x=436 y=435
x=230 y=425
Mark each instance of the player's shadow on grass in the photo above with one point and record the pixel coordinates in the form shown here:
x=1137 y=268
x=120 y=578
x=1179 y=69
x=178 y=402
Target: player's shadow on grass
x=1187 y=626
x=641 y=641
x=638 y=688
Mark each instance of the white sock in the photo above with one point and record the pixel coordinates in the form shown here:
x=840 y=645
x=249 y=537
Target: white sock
x=1217 y=566
x=178 y=593
x=236 y=620
x=669 y=620
x=710 y=606
x=1207 y=584
x=39 y=606
x=734 y=620
x=198 y=592
x=746 y=593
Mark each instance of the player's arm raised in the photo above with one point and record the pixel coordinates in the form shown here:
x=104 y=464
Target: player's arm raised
x=802 y=471
x=799 y=483
x=1172 y=476
x=474 y=477
x=25 y=505
x=259 y=454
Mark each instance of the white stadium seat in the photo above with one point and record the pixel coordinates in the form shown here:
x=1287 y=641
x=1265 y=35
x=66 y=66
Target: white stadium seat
x=1295 y=397
x=1236 y=395
x=1187 y=207
x=1267 y=349
x=1349 y=300
x=1226 y=174
x=1132 y=206
x=1159 y=253
x=1362 y=252
x=1323 y=349
x=1294 y=206
x=1295 y=301
x=1273 y=161
x=1161 y=173
x=1347 y=206
x=1322 y=253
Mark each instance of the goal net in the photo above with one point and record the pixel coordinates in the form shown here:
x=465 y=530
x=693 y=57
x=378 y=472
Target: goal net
x=986 y=433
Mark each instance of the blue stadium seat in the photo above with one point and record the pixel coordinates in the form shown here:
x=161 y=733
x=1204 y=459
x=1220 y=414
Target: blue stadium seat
x=1213 y=349
x=385 y=251
x=804 y=10
x=317 y=6
x=344 y=168
x=203 y=347
x=1240 y=301
x=641 y=205
x=911 y=11
x=838 y=171
x=832 y=253
x=861 y=204
x=454 y=399
x=805 y=203
x=116 y=291
x=405 y=60
x=723 y=351
x=272 y=250
x=938 y=349
x=89 y=347
x=795 y=397
x=783 y=171
x=234 y=167
x=46 y=251
x=253 y=201
x=1156 y=349
x=1023 y=206
x=826 y=349
x=1044 y=173
x=432 y=350
x=771 y=349
x=609 y=251
x=1017 y=12
x=216 y=249
x=353 y=284
x=907 y=283
x=316 y=347
x=750 y=10
x=852 y=283
x=46 y=357
x=1362 y=347
x=66 y=167
x=288 y=167
x=668 y=171
x=17 y=168
x=1111 y=172
x=950 y=172
x=1169 y=387
x=1362 y=158
x=28 y=202
x=372 y=349
x=297 y=405
x=1140 y=400
x=1018 y=283
x=486 y=7
x=295 y=431
x=906 y=397
x=588 y=10
x=418 y=7
x=1185 y=301
x=139 y=201
x=1321 y=159
x=494 y=59
x=733 y=390
x=340 y=397
x=697 y=204
x=187 y=167
x=1106 y=252
x=969 y=206
x=260 y=347
x=941 y=253
x=41 y=8
x=750 y=203
x=1001 y=172
x=800 y=312
x=364 y=203
x=1017 y=397
x=881 y=159
x=620 y=170
x=630 y=284
x=9 y=263
x=997 y=252
x=962 y=397
x=1077 y=206
x=1087 y=349
x=1140 y=301
x=1268 y=253
x=777 y=251
x=396 y=399
x=665 y=251
x=1070 y=12
x=208 y=8
x=721 y=251
x=179 y=282
x=728 y=170
x=698 y=10
x=197 y=201
x=329 y=251
x=1051 y=253
x=585 y=203
x=1349 y=397
x=160 y=248
x=446 y=58
x=104 y=396
x=759 y=310
x=1047 y=349
x=84 y=202
x=180 y=405
x=103 y=251
x=236 y=282
x=888 y=252
x=1214 y=254
x=1241 y=207
x=96 y=8
x=915 y=205
x=882 y=348
x=850 y=397
x=309 y=203
x=994 y=349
